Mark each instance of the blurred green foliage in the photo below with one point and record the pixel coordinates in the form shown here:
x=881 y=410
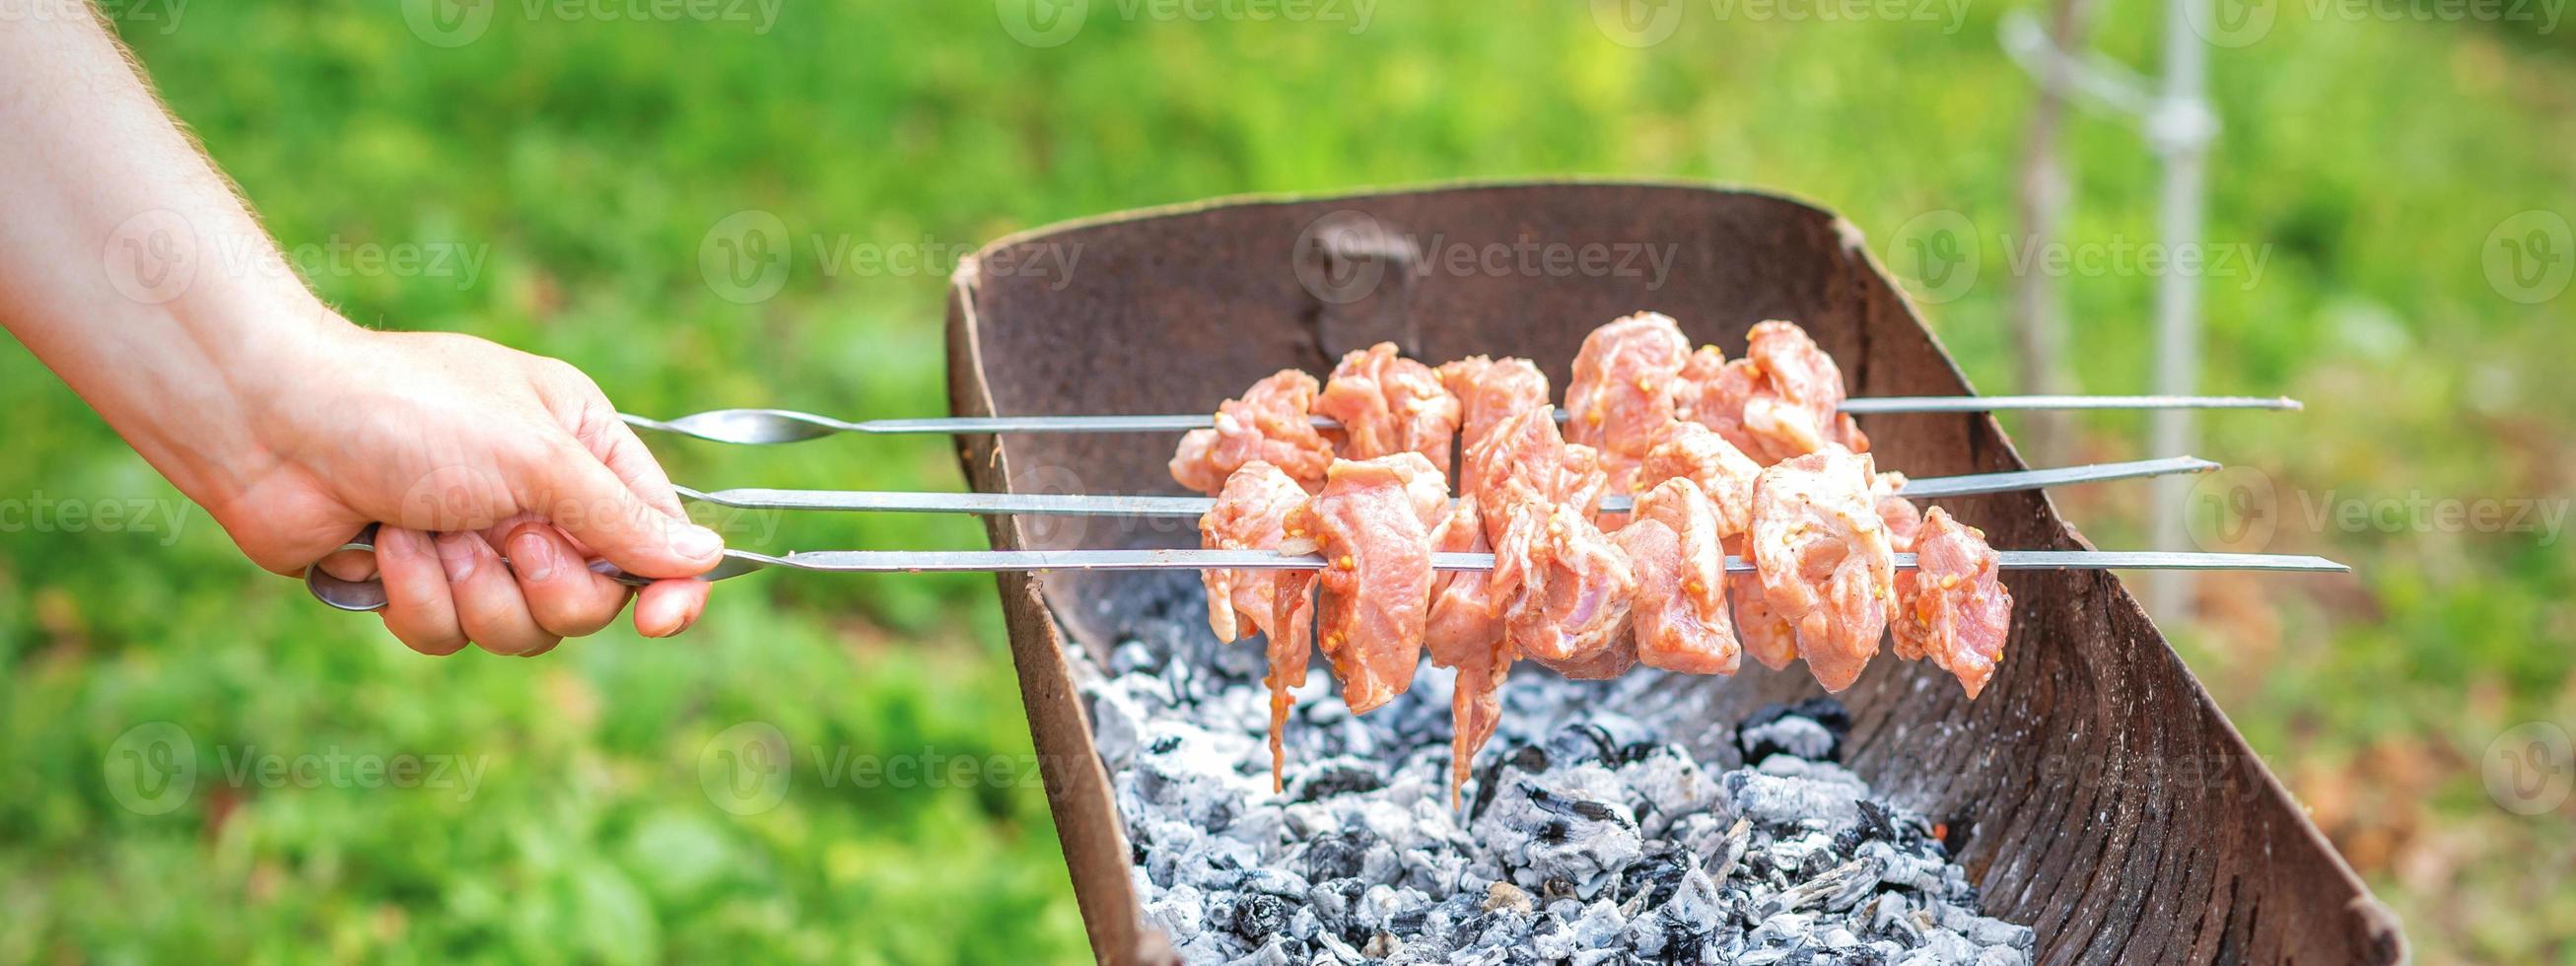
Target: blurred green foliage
x=586 y=155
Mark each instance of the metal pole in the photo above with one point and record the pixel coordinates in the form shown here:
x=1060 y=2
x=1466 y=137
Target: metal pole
x=2180 y=130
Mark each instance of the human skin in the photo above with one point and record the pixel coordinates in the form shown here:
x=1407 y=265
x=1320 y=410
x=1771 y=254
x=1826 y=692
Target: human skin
x=122 y=269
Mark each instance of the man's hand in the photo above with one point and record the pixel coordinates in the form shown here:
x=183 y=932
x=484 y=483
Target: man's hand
x=294 y=427
x=467 y=452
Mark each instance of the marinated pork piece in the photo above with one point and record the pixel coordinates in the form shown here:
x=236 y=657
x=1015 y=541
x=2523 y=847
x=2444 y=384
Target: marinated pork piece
x=1686 y=450
x=1765 y=636
x=1953 y=607
x=1465 y=634
x=1680 y=615
x=1250 y=514
x=1783 y=399
x=1899 y=513
x=1368 y=526
x=1563 y=587
x=1824 y=559
x=1271 y=423
x=1622 y=392
x=1389 y=404
x=1524 y=459
x=1489 y=390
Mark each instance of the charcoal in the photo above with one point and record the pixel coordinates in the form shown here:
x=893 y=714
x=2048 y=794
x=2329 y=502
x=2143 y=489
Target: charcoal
x=1587 y=837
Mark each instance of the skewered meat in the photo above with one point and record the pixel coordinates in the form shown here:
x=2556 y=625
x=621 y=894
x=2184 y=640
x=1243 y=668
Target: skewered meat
x=1685 y=450
x=1764 y=634
x=1489 y=390
x=1681 y=621
x=1368 y=523
x=1270 y=423
x=1564 y=588
x=1622 y=392
x=1953 y=608
x=1389 y=404
x=1824 y=559
x=1898 y=513
x=1250 y=514
x=1465 y=634
x=1783 y=399
x=1525 y=459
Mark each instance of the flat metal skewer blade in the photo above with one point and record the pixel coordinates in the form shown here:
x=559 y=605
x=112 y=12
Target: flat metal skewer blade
x=1995 y=404
x=766 y=426
x=950 y=561
x=1192 y=507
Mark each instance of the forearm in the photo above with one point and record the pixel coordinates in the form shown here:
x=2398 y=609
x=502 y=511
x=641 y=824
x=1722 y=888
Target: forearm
x=130 y=266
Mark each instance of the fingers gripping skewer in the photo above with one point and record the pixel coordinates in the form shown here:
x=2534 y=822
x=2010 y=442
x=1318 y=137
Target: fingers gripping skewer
x=765 y=426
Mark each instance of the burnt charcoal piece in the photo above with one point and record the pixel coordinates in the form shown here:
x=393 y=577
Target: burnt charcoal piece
x=1338 y=777
x=1338 y=856
x=1812 y=729
x=1258 y=916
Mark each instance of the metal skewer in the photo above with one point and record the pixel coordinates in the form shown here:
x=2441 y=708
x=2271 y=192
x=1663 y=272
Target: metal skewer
x=1192 y=507
x=365 y=596
x=764 y=426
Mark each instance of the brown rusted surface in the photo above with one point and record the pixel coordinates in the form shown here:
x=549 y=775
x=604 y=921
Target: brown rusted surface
x=2094 y=791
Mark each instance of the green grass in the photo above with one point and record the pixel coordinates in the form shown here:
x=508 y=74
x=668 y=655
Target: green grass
x=588 y=159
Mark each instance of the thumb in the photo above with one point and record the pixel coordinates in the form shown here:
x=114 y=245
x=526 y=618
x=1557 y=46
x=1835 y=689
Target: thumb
x=576 y=492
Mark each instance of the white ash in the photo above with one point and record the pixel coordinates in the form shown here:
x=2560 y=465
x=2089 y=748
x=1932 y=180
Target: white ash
x=1585 y=837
